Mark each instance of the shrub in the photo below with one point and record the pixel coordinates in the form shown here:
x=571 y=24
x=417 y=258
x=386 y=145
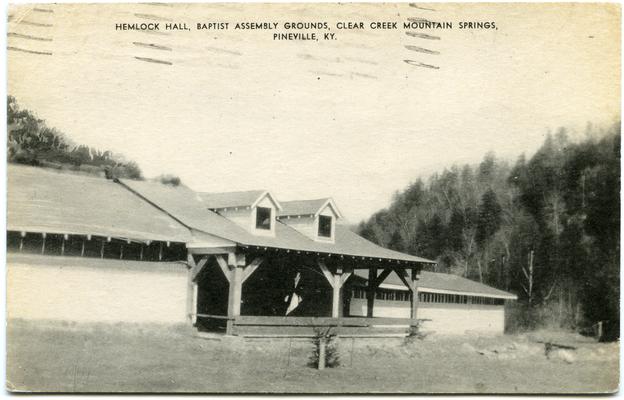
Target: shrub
x=330 y=339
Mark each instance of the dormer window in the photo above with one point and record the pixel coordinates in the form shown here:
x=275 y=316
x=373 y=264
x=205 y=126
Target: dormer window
x=263 y=218
x=325 y=226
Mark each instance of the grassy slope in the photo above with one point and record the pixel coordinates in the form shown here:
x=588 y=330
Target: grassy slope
x=52 y=357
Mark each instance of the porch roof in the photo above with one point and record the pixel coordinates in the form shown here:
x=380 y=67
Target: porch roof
x=437 y=282
x=188 y=207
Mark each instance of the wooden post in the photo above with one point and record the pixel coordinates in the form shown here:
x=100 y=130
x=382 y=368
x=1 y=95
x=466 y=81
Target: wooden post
x=322 y=353
x=191 y=290
x=22 y=234
x=235 y=291
x=141 y=253
x=370 y=293
x=599 y=331
x=102 y=249
x=160 y=252
x=414 y=287
x=336 y=281
x=336 y=289
x=63 y=245
x=43 y=243
x=82 y=249
x=121 y=252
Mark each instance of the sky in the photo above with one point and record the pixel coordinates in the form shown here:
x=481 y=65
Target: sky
x=348 y=118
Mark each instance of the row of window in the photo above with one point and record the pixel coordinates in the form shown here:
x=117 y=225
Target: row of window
x=96 y=246
x=402 y=295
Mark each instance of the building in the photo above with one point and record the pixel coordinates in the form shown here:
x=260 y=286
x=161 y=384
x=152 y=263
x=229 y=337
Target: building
x=85 y=248
x=447 y=304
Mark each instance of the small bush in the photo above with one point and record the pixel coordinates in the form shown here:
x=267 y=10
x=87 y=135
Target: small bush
x=332 y=357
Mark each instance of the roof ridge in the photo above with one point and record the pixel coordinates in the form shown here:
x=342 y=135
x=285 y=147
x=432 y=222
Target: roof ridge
x=320 y=198
x=236 y=191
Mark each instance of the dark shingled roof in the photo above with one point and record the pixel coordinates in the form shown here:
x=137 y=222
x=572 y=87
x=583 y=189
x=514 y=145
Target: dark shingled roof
x=432 y=281
x=230 y=199
x=301 y=207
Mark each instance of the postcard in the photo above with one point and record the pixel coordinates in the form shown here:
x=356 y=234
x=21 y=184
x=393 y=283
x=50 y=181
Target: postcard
x=313 y=198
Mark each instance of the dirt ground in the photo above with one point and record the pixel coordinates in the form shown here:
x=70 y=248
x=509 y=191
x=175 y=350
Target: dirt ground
x=53 y=357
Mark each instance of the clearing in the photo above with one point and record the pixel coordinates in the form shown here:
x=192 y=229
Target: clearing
x=54 y=356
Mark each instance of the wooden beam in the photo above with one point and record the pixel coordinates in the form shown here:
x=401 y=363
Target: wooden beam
x=235 y=293
x=384 y=274
x=194 y=302
x=336 y=295
x=404 y=278
x=328 y=275
x=210 y=250
x=344 y=277
x=224 y=266
x=191 y=308
x=236 y=259
x=415 y=299
x=252 y=267
x=370 y=293
x=198 y=267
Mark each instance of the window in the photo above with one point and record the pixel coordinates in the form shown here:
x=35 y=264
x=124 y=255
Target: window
x=263 y=218
x=325 y=226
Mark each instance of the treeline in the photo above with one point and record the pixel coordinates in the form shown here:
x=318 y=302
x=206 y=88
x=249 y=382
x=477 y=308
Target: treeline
x=30 y=141
x=546 y=228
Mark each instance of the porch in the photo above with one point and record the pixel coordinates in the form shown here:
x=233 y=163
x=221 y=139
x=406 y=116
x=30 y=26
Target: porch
x=266 y=326
x=248 y=291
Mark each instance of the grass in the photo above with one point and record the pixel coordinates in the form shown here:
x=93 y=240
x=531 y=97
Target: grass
x=54 y=357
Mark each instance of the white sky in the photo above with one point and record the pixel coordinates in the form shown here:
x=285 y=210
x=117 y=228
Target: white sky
x=239 y=111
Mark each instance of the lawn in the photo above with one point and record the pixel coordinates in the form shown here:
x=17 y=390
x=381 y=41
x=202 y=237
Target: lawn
x=55 y=357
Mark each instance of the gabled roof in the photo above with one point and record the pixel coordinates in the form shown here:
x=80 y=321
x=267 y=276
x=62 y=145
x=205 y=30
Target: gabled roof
x=235 y=199
x=443 y=283
x=188 y=207
x=45 y=200
x=307 y=207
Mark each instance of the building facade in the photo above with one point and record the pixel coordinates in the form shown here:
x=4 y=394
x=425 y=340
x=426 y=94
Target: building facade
x=106 y=250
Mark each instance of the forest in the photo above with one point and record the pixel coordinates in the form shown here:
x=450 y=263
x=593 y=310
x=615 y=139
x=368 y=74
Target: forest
x=546 y=228
x=30 y=141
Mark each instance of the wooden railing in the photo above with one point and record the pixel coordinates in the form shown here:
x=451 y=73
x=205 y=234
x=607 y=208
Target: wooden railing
x=311 y=326
x=321 y=321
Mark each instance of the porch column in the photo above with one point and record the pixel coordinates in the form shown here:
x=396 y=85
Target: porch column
x=414 y=289
x=191 y=287
x=336 y=281
x=370 y=292
x=336 y=289
x=236 y=263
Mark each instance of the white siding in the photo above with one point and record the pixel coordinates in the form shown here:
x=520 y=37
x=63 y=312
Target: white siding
x=97 y=291
x=241 y=217
x=304 y=225
x=446 y=318
x=308 y=225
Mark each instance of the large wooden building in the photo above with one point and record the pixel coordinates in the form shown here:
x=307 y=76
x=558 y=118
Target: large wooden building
x=85 y=248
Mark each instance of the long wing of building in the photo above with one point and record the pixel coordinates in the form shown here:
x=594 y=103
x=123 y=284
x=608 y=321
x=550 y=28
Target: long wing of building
x=223 y=238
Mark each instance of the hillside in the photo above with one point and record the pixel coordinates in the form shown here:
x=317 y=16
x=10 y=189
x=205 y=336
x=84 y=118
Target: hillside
x=546 y=228
x=30 y=141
